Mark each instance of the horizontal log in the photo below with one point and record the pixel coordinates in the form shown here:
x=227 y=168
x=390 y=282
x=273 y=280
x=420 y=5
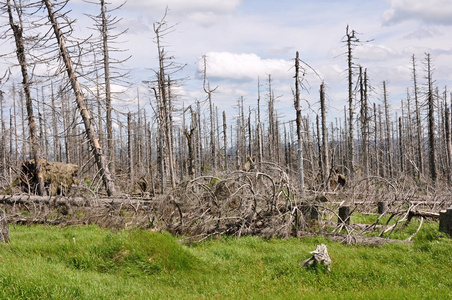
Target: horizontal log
x=364 y=240
x=425 y=214
x=73 y=201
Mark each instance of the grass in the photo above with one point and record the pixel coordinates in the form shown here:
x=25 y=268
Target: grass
x=88 y=262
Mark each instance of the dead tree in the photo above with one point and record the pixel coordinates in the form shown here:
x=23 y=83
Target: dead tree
x=325 y=150
x=299 y=125
x=17 y=28
x=431 y=122
x=351 y=39
x=388 y=130
x=419 y=136
x=209 y=92
x=80 y=100
x=225 y=142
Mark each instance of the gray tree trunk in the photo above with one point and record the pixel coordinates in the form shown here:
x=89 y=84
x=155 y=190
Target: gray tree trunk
x=80 y=100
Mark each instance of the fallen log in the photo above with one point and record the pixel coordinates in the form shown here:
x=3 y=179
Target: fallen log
x=425 y=214
x=364 y=240
x=73 y=201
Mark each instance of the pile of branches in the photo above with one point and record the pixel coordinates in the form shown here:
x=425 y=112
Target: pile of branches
x=261 y=202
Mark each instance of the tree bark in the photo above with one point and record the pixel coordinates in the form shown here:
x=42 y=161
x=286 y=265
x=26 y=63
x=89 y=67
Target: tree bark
x=299 y=126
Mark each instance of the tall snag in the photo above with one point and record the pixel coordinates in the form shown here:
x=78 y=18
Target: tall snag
x=17 y=29
x=299 y=125
x=431 y=121
x=80 y=100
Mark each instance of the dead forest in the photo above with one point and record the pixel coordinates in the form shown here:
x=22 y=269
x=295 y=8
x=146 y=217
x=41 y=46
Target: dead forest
x=68 y=156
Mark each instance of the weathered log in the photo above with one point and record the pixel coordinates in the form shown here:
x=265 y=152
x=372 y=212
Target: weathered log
x=425 y=214
x=73 y=201
x=363 y=240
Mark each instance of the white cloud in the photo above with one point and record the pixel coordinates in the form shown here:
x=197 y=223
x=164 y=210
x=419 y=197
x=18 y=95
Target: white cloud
x=374 y=52
x=433 y=11
x=203 y=12
x=218 y=6
x=244 y=66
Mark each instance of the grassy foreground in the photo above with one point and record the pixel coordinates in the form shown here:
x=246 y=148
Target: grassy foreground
x=93 y=263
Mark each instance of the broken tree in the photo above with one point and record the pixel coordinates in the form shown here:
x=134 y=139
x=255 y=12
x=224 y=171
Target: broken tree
x=79 y=98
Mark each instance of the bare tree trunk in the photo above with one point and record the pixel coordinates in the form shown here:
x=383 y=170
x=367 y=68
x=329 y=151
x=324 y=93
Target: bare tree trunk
x=259 y=127
x=108 y=106
x=129 y=146
x=80 y=100
x=448 y=142
x=420 y=143
x=388 y=130
x=191 y=147
x=299 y=126
x=325 y=150
x=21 y=57
x=431 y=123
x=225 y=141
x=364 y=121
x=351 y=148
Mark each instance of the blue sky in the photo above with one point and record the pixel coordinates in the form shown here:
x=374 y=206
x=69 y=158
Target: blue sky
x=249 y=39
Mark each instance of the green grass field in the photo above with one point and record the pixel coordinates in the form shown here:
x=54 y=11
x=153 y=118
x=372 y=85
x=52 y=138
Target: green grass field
x=88 y=262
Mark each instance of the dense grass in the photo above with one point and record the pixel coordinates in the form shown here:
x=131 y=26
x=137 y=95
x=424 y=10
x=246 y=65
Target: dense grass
x=93 y=263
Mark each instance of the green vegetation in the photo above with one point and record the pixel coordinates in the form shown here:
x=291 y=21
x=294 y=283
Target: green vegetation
x=88 y=262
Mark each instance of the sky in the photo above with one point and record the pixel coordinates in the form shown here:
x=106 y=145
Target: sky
x=245 y=41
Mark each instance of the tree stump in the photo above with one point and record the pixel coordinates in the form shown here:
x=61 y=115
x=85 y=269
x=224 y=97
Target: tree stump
x=314 y=213
x=4 y=229
x=445 y=221
x=382 y=207
x=320 y=256
x=344 y=215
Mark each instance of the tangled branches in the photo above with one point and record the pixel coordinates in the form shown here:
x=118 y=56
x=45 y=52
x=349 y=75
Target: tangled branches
x=258 y=202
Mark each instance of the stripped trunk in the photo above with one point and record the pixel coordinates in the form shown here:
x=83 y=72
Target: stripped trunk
x=80 y=100
x=21 y=57
x=299 y=126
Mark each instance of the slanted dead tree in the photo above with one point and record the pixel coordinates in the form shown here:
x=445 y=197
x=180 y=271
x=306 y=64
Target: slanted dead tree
x=80 y=100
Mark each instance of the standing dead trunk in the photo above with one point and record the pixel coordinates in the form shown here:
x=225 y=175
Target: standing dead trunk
x=431 y=123
x=351 y=148
x=80 y=100
x=225 y=141
x=448 y=140
x=129 y=146
x=106 y=63
x=325 y=150
x=388 y=130
x=299 y=126
x=21 y=57
x=420 y=143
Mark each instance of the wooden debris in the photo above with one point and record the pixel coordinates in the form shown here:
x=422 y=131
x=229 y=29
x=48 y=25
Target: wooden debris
x=364 y=240
x=320 y=257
